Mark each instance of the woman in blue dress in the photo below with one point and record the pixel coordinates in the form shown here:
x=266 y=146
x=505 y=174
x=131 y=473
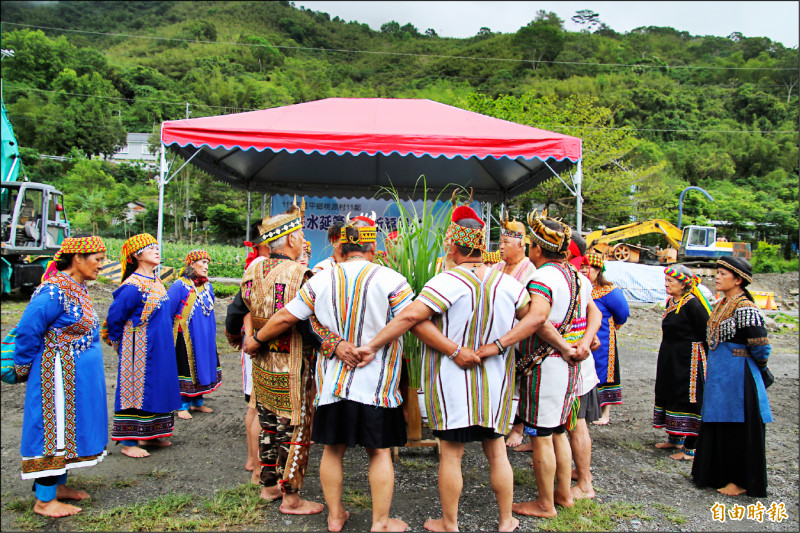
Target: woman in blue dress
x=731 y=453
x=611 y=302
x=140 y=331
x=191 y=298
x=57 y=350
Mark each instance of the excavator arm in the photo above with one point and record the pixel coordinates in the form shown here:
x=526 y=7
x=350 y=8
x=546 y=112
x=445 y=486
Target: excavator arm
x=658 y=225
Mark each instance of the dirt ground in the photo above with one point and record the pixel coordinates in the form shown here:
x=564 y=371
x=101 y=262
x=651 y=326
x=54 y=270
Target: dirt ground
x=208 y=454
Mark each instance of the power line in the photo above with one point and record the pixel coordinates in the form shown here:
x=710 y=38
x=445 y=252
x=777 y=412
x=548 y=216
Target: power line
x=35 y=118
x=401 y=54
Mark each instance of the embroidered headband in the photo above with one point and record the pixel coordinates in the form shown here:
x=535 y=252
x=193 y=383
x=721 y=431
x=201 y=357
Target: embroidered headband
x=80 y=245
x=366 y=234
x=513 y=229
x=472 y=238
x=134 y=245
x=737 y=266
x=491 y=257
x=196 y=255
x=594 y=259
x=556 y=241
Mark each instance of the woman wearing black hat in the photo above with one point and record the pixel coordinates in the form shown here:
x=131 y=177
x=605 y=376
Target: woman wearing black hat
x=731 y=449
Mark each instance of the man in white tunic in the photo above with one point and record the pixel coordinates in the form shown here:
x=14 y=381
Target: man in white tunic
x=516 y=264
x=356 y=403
x=467 y=399
x=550 y=375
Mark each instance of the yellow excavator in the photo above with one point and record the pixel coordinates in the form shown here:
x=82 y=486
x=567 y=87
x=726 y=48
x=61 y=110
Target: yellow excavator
x=692 y=243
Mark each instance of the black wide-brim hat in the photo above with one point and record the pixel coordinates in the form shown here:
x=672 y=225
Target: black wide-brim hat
x=737 y=265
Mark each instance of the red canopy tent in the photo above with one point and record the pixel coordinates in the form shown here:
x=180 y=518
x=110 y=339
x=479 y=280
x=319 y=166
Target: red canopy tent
x=354 y=146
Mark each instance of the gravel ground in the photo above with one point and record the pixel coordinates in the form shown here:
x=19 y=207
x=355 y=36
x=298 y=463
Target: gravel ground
x=209 y=452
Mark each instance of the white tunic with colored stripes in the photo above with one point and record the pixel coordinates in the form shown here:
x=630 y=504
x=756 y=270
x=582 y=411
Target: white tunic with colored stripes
x=547 y=393
x=356 y=299
x=471 y=312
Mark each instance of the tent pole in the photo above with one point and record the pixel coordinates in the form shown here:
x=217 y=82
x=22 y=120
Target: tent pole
x=263 y=205
x=161 y=175
x=247 y=231
x=578 y=180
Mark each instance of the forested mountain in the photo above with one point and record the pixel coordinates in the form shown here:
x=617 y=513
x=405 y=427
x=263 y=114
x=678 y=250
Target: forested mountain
x=657 y=109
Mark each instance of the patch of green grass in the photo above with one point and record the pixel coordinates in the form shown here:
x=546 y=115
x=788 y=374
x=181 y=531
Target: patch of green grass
x=104 y=281
x=419 y=465
x=30 y=521
x=235 y=507
x=87 y=483
x=155 y=515
x=632 y=445
x=670 y=513
x=159 y=473
x=124 y=483
x=785 y=319
x=20 y=505
x=357 y=498
x=223 y=290
x=524 y=476
x=588 y=515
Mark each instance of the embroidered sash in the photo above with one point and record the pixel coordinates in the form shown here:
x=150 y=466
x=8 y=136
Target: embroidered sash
x=182 y=325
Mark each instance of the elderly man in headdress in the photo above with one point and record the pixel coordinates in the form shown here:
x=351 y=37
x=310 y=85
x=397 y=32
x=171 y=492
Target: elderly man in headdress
x=550 y=376
x=358 y=401
x=283 y=387
x=468 y=399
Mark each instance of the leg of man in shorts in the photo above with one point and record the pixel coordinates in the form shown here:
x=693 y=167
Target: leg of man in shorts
x=581 y=444
x=552 y=463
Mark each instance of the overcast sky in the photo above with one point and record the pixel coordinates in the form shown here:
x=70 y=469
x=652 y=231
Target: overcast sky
x=776 y=20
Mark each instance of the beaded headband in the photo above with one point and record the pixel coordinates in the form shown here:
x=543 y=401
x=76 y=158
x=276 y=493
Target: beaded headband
x=680 y=276
x=273 y=228
x=196 y=255
x=513 y=229
x=80 y=245
x=134 y=245
x=727 y=265
x=549 y=239
x=366 y=234
x=491 y=257
x=594 y=259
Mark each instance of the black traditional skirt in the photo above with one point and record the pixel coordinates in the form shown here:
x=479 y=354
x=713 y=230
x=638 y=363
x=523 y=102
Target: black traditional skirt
x=734 y=452
x=467 y=434
x=357 y=424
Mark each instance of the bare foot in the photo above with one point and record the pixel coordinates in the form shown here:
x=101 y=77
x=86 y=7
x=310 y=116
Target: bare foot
x=602 y=421
x=55 y=509
x=271 y=493
x=580 y=494
x=249 y=466
x=393 y=524
x=533 y=508
x=574 y=475
x=156 y=443
x=731 y=489
x=202 y=409
x=680 y=456
x=299 y=506
x=668 y=445
x=336 y=524
x=511 y=525
x=564 y=500
x=527 y=447
x=68 y=493
x=134 y=451
x=514 y=439
x=437 y=524
x=255 y=478
x=184 y=415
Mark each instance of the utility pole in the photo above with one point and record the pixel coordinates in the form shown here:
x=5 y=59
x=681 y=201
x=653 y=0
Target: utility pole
x=186 y=223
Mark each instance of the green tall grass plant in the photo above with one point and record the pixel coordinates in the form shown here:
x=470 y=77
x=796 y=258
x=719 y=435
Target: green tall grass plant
x=420 y=244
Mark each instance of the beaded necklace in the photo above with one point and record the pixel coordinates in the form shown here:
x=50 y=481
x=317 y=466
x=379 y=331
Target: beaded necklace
x=722 y=312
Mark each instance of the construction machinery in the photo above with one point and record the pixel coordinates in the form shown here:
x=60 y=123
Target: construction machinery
x=32 y=221
x=690 y=244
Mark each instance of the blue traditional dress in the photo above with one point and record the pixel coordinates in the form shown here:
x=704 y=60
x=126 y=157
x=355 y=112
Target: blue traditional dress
x=731 y=448
x=611 y=302
x=140 y=330
x=195 y=333
x=65 y=424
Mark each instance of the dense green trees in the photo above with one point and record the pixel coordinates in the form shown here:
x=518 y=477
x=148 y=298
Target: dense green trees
x=658 y=109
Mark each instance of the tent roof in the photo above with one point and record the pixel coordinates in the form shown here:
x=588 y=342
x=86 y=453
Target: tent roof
x=354 y=146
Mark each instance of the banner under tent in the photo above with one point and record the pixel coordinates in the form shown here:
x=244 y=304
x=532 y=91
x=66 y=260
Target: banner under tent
x=353 y=147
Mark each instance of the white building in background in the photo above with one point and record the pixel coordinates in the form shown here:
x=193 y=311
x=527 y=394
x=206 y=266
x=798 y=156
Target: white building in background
x=136 y=149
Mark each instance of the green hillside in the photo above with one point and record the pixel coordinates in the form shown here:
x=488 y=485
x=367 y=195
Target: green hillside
x=657 y=109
